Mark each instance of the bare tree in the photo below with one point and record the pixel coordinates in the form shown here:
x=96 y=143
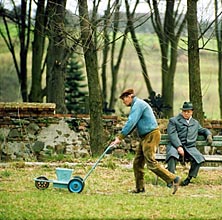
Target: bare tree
x=106 y=49
x=38 y=45
x=114 y=57
x=111 y=55
x=168 y=32
x=57 y=55
x=194 y=60
x=95 y=96
x=131 y=28
x=109 y=36
x=49 y=14
x=218 y=32
x=21 y=17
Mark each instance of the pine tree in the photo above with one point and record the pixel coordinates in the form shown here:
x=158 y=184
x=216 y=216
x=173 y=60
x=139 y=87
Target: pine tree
x=75 y=92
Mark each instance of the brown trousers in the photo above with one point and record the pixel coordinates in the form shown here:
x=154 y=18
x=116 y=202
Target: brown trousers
x=145 y=154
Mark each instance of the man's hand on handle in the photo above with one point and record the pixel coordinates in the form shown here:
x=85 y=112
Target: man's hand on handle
x=112 y=145
x=116 y=142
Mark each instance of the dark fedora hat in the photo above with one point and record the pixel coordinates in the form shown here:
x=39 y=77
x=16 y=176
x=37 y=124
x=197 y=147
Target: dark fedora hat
x=126 y=93
x=187 y=106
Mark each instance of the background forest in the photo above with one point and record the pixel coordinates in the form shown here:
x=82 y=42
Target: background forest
x=51 y=50
x=130 y=76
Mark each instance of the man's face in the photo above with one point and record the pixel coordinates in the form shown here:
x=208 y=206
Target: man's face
x=127 y=100
x=187 y=113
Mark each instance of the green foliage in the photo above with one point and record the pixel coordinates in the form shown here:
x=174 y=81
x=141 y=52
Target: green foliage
x=9 y=89
x=5 y=174
x=110 y=164
x=19 y=164
x=74 y=86
x=130 y=156
x=13 y=33
x=50 y=157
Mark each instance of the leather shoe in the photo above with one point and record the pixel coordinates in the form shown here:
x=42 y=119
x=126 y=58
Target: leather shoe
x=185 y=182
x=138 y=190
x=169 y=185
x=176 y=183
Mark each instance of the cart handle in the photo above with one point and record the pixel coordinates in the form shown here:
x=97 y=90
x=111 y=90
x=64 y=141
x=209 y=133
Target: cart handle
x=111 y=146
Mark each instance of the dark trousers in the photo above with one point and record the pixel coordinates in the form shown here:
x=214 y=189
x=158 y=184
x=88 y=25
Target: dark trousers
x=194 y=166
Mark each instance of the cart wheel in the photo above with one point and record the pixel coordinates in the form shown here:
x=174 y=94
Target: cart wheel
x=78 y=177
x=76 y=185
x=40 y=183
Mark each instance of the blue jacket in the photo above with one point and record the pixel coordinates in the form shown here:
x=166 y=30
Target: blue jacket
x=141 y=117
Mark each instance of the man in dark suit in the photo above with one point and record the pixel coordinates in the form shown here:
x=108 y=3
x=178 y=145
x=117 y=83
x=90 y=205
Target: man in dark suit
x=183 y=131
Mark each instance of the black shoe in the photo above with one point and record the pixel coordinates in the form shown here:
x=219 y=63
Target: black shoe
x=138 y=190
x=176 y=183
x=186 y=182
x=169 y=185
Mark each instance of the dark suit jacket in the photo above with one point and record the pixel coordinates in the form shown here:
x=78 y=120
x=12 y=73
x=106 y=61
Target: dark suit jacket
x=183 y=134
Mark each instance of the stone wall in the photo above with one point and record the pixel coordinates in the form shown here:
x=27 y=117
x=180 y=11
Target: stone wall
x=32 y=131
x=37 y=133
x=44 y=137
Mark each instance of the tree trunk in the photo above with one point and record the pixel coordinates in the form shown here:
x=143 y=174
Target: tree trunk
x=22 y=19
x=105 y=51
x=105 y=57
x=218 y=32
x=116 y=59
x=168 y=40
x=137 y=47
x=36 y=93
x=57 y=56
x=112 y=18
x=168 y=69
x=95 y=96
x=23 y=52
x=194 y=61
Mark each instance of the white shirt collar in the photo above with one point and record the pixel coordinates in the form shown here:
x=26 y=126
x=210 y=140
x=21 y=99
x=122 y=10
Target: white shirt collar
x=188 y=120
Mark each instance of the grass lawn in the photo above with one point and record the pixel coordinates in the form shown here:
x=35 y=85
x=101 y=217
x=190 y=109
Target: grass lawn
x=105 y=195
